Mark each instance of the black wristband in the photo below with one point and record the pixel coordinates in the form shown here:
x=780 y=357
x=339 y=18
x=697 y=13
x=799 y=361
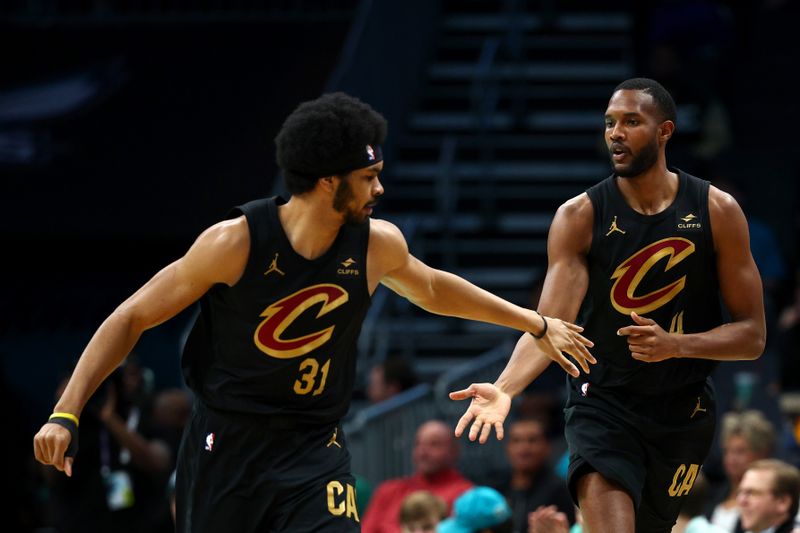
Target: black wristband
x=544 y=331
x=72 y=427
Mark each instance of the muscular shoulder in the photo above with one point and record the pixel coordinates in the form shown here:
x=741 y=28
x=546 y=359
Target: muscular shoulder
x=222 y=250
x=390 y=489
x=387 y=246
x=228 y=238
x=721 y=203
x=728 y=223
x=577 y=209
x=573 y=222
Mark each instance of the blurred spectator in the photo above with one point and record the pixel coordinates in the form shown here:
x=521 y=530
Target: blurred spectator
x=746 y=437
x=171 y=411
x=691 y=518
x=388 y=378
x=479 y=510
x=421 y=512
x=788 y=337
x=768 y=496
x=19 y=476
x=363 y=493
x=120 y=473
x=531 y=482
x=548 y=520
x=171 y=495
x=790 y=315
x=435 y=455
x=747 y=384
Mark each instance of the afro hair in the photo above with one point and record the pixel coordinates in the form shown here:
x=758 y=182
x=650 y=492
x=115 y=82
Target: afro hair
x=321 y=136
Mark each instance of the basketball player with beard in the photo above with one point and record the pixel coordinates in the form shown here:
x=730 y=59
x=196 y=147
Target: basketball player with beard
x=284 y=288
x=644 y=259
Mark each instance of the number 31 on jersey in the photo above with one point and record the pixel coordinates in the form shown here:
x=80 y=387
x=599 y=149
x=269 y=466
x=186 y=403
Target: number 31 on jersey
x=312 y=377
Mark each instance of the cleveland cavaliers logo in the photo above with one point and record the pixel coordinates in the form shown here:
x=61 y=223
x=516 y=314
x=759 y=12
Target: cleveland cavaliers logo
x=631 y=272
x=281 y=314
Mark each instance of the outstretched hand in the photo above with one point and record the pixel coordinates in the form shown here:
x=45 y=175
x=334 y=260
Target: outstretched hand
x=648 y=342
x=565 y=337
x=488 y=408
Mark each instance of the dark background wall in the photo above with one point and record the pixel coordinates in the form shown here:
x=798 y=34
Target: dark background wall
x=180 y=130
x=158 y=124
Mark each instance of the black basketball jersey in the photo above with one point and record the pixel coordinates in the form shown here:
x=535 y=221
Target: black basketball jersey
x=282 y=340
x=662 y=267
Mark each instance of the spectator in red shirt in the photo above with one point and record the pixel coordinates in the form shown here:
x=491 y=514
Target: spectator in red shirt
x=435 y=455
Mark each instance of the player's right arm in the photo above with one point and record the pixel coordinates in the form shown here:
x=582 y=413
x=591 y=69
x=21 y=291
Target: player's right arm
x=219 y=255
x=564 y=288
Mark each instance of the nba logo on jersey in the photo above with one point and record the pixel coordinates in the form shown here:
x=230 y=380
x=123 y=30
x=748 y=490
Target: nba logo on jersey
x=210 y=442
x=370 y=153
x=585 y=389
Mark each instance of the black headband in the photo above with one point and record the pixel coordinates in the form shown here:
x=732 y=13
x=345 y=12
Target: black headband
x=364 y=157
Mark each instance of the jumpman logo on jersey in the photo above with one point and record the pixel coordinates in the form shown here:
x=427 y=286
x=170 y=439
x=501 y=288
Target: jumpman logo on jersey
x=333 y=439
x=273 y=267
x=697 y=408
x=614 y=227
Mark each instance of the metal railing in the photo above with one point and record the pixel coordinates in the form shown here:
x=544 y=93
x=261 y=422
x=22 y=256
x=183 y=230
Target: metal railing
x=381 y=437
x=477 y=460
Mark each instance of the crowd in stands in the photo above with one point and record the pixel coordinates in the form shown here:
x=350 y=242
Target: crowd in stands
x=124 y=474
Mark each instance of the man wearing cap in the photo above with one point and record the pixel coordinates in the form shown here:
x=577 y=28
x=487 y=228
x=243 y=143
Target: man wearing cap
x=479 y=510
x=283 y=288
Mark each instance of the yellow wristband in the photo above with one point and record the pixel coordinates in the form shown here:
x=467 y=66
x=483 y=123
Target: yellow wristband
x=68 y=416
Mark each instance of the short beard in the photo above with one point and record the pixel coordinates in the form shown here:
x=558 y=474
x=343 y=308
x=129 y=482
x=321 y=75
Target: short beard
x=342 y=198
x=641 y=162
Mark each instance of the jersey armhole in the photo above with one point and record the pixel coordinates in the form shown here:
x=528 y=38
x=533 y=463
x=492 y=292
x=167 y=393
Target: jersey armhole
x=365 y=251
x=257 y=215
x=704 y=200
x=594 y=199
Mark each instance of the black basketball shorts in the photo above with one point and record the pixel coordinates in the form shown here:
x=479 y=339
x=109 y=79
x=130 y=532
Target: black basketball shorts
x=652 y=445
x=254 y=473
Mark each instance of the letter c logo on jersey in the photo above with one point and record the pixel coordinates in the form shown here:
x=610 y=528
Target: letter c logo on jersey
x=631 y=272
x=281 y=314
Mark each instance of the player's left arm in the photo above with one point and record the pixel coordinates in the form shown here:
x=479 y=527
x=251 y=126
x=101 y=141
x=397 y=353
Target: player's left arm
x=435 y=290
x=444 y=293
x=740 y=284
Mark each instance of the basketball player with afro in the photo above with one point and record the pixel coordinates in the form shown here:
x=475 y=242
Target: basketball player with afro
x=284 y=287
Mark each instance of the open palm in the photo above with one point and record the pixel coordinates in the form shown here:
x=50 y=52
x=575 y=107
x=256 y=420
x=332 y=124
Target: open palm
x=488 y=409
